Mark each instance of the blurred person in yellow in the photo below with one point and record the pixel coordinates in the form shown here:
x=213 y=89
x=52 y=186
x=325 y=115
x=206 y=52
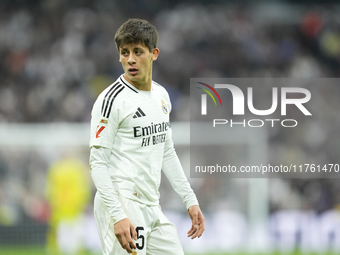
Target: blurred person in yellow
x=68 y=191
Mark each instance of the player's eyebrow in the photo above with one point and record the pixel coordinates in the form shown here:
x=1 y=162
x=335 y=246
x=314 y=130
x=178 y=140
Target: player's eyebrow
x=138 y=48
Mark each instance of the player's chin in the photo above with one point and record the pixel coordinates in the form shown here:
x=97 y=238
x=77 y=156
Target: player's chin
x=134 y=77
x=130 y=75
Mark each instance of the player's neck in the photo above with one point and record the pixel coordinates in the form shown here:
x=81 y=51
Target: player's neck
x=143 y=84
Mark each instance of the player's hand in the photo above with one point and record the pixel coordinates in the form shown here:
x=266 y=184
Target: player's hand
x=124 y=229
x=197 y=219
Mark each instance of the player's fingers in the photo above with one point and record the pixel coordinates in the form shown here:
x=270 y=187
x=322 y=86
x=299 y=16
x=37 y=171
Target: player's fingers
x=200 y=231
x=133 y=232
x=119 y=240
x=130 y=242
x=194 y=220
x=125 y=244
x=195 y=223
x=195 y=232
x=191 y=231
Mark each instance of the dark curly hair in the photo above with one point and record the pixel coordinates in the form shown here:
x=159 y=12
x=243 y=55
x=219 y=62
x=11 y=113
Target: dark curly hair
x=137 y=31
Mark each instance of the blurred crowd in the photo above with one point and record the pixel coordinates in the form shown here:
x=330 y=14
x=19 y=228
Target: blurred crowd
x=56 y=57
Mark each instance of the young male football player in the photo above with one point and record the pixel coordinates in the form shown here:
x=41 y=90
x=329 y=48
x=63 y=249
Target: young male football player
x=130 y=144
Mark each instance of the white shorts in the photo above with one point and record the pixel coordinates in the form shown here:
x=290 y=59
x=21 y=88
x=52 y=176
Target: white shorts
x=155 y=233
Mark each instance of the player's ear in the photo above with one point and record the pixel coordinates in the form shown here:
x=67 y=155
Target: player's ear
x=155 y=53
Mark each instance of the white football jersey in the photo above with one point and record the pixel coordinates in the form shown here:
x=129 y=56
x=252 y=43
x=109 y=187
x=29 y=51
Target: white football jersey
x=135 y=125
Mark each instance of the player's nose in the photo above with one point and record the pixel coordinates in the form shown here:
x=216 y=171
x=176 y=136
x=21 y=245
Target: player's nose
x=131 y=59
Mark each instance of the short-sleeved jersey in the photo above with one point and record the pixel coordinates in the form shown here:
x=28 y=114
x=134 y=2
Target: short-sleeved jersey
x=135 y=126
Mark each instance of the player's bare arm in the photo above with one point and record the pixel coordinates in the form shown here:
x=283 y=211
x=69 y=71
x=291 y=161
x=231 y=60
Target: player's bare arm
x=198 y=223
x=124 y=229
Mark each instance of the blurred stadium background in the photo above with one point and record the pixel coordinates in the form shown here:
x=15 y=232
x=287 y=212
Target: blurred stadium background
x=57 y=56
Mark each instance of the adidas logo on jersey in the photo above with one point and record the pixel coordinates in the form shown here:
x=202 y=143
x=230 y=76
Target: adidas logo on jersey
x=139 y=113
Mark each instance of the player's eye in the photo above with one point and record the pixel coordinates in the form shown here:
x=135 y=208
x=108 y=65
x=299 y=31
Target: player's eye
x=124 y=53
x=138 y=52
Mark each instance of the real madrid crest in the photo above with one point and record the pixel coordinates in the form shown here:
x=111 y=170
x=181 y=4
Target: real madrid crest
x=165 y=110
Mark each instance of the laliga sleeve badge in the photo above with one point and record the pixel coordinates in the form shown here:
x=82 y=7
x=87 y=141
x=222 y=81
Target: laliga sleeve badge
x=103 y=121
x=164 y=108
x=134 y=253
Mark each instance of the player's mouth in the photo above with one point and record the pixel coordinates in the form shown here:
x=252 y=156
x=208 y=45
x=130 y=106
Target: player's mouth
x=133 y=71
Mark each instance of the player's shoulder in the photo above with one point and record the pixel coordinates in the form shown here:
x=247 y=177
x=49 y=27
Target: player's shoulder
x=160 y=89
x=117 y=89
x=157 y=85
x=113 y=96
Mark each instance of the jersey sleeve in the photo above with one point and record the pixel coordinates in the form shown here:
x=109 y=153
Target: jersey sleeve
x=104 y=123
x=173 y=170
x=99 y=156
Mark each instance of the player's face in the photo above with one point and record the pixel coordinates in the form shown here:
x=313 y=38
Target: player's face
x=137 y=61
